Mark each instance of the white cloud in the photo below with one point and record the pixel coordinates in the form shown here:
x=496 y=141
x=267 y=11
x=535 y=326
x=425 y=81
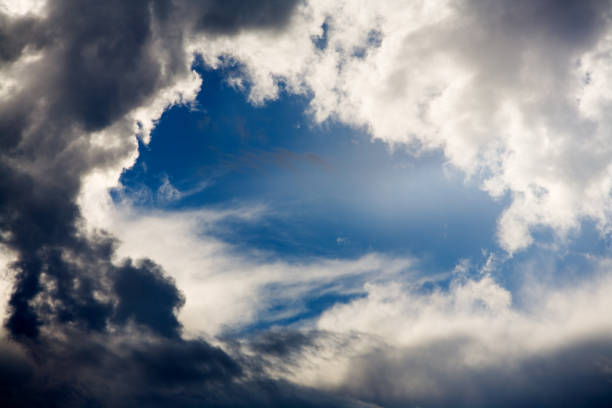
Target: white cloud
x=515 y=96
x=418 y=343
x=167 y=192
x=21 y=7
x=227 y=288
x=395 y=325
x=6 y=283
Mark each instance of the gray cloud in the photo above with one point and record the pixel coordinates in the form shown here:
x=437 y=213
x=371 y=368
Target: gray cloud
x=86 y=330
x=18 y=34
x=97 y=63
x=114 y=371
x=229 y=17
x=433 y=376
x=438 y=374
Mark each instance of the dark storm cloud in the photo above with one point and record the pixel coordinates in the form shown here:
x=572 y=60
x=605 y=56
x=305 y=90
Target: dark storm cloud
x=97 y=62
x=106 y=65
x=282 y=342
x=147 y=297
x=455 y=372
x=499 y=37
x=85 y=330
x=16 y=35
x=115 y=371
x=571 y=22
x=436 y=375
x=231 y=16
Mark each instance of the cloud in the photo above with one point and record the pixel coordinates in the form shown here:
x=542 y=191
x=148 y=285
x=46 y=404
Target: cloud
x=407 y=339
x=467 y=346
x=167 y=192
x=83 y=81
x=230 y=17
x=117 y=371
x=227 y=288
x=514 y=95
x=79 y=82
x=69 y=113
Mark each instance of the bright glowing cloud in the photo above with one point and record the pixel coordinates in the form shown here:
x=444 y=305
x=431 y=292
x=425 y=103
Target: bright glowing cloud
x=513 y=94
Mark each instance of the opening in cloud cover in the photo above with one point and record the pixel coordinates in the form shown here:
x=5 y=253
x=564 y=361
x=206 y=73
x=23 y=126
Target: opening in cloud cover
x=305 y=203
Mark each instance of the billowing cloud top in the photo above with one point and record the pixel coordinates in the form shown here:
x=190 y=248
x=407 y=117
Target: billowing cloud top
x=515 y=95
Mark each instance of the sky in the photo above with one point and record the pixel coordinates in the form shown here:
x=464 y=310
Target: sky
x=305 y=203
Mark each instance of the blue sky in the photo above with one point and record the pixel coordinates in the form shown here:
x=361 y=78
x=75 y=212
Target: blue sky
x=329 y=190
x=332 y=191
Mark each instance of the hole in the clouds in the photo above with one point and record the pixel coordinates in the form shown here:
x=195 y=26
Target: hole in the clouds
x=373 y=40
x=328 y=190
x=321 y=40
x=233 y=72
x=543 y=234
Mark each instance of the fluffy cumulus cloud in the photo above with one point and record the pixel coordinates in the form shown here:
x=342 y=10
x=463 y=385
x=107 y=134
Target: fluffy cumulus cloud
x=515 y=94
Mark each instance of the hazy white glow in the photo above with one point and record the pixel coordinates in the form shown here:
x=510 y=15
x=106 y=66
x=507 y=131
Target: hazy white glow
x=22 y=7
